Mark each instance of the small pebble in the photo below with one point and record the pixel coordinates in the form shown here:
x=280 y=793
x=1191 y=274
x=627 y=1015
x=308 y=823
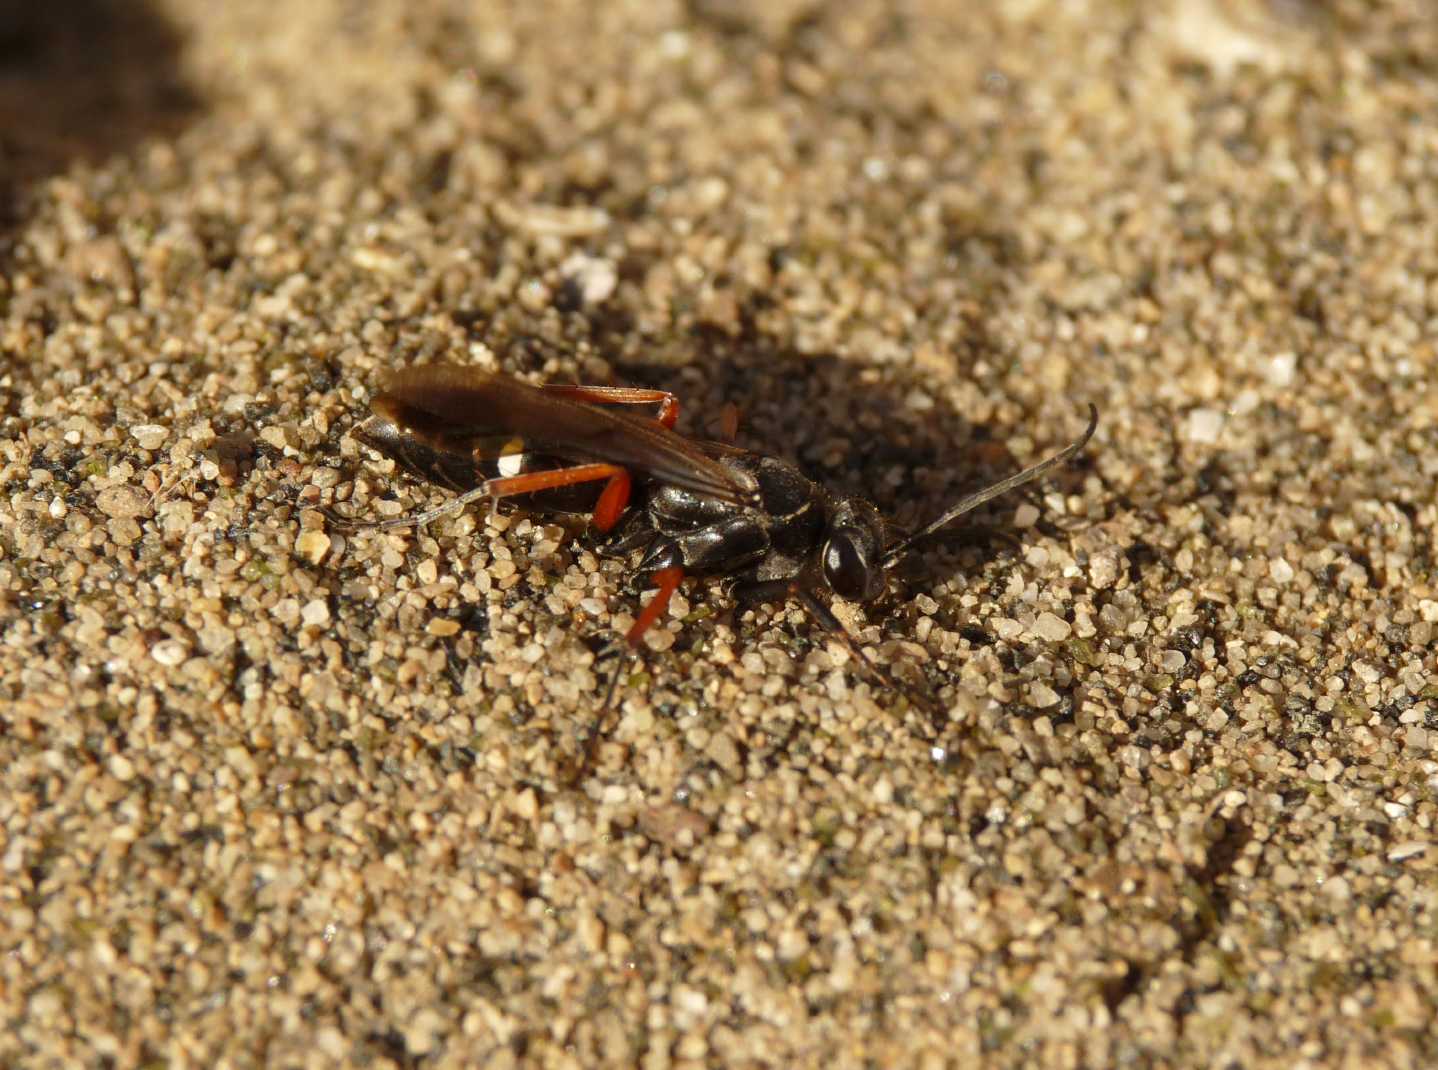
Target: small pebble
x=312 y=546
x=122 y=502
x=1203 y=426
x=170 y=652
x=315 y=614
x=1052 y=628
x=593 y=277
x=150 y=436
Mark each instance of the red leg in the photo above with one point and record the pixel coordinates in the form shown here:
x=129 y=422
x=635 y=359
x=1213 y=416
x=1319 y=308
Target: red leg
x=612 y=499
x=729 y=422
x=623 y=395
x=667 y=580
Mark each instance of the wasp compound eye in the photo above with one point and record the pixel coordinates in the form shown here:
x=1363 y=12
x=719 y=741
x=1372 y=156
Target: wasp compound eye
x=850 y=571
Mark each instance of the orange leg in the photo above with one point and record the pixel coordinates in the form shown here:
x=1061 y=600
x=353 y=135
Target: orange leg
x=667 y=580
x=612 y=499
x=623 y=395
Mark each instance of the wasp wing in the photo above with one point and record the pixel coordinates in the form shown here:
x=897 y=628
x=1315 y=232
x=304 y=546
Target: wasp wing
x=454 y=409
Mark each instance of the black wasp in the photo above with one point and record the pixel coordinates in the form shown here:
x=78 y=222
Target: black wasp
x=694 y=506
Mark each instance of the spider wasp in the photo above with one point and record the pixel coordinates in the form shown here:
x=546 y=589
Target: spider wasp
x=693 y=506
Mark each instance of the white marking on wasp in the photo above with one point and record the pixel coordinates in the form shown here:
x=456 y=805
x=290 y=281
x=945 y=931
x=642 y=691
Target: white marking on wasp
x=511 y=458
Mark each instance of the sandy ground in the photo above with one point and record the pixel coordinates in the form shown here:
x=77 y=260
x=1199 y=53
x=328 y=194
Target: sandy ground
x=271 y=795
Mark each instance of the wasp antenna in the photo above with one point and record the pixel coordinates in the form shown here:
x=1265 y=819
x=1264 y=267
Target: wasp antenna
x=994 y=490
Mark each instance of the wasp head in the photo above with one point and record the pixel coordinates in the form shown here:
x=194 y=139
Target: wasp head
x=852 y=557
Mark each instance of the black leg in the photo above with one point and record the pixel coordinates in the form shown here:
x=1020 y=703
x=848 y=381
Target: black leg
x=633 y=532
x=752 y=592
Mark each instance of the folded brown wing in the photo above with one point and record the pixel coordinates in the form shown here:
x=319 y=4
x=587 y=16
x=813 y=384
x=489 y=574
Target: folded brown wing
x=447 y=406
